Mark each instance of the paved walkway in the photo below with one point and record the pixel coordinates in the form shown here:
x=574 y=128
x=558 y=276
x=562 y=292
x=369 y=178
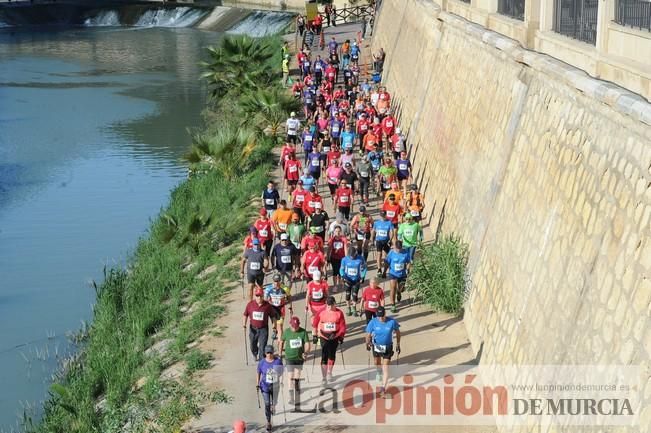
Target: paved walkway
x=428 y=338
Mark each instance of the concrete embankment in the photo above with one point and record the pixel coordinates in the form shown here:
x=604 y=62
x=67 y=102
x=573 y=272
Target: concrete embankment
x=545 y=172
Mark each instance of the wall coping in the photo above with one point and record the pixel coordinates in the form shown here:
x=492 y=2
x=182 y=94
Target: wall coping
x=618 y=98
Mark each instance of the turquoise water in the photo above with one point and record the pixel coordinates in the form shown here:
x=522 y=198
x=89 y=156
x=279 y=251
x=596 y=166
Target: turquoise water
x=92 y=127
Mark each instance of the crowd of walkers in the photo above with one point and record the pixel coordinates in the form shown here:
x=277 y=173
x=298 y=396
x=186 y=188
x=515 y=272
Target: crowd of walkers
x=348 y=146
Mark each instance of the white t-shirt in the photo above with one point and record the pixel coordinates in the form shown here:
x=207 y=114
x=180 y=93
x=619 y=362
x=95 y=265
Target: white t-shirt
x=292 y=126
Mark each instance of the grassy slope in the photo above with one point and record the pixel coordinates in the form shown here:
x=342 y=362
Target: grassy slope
x=114 y=381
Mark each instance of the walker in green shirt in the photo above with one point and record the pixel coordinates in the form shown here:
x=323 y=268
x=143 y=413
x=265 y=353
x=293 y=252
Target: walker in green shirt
x=410 y=234
x=296 y=232
x=294 y=343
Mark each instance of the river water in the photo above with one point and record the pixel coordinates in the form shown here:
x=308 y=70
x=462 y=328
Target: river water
x=92 y=127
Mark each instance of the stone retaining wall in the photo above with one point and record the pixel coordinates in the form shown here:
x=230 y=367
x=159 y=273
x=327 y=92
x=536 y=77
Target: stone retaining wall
x=546 y=173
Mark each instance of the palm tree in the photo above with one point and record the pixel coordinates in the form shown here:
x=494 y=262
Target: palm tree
x=231 y=65
x=267 y=109
x=227 y=151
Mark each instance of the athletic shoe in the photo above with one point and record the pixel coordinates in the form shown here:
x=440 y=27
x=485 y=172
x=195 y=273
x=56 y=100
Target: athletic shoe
x=358 y=313
x=350 y=311
x=269 y=426
x=378 y=377
x=324 y=381
x=394 y=309
x=274 y=334
x=330 y=378
x=314 y=339
x=384 y=273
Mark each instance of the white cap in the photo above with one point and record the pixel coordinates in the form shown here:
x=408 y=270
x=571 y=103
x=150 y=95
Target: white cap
x=283 y=236
x=317 y=205
x=316 y=275
x=292 y=114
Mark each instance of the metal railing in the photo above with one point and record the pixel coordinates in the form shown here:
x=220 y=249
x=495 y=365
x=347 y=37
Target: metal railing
x=634 y=13
x=349 y=14
x=576 y=19
x=511 y=8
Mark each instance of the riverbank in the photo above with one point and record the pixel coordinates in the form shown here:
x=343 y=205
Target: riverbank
x=134 y=370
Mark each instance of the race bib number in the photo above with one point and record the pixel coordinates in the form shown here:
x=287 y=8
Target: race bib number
x=344 y=199
x=360 y=236
x=257 y=315
x=263 y=233
x=414 y=213
x=373 y=304
x=300 y=198
x=285 y=259
x=315 y=163
x=379 y=348
x=292 y=169
x=391 y=214
x=317 y=296
x=270 y=377
x=363 y=173
x=254 y=266
x=326 y=149
x=283 y=226
x=295 y=343
x=382 y=233
x=308 y=138
x=351 y=271
x=311 y=204
x=330 y=326
x=335 y=128
x=312 y=269
x=269 y=201
x=337 y=245
x=318 y=229
x=402 y=167
x=333 y=180
x=389 y=123
x=399 y=266
x=276 y=300
x=409 y=232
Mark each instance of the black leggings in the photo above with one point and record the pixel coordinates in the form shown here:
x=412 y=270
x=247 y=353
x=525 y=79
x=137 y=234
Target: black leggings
x=328 y=350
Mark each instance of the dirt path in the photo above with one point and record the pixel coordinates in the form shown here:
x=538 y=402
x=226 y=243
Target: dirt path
x=428 y=339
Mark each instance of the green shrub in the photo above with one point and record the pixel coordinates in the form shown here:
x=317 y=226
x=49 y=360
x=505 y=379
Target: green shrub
x=438 y=274
x=197 y=360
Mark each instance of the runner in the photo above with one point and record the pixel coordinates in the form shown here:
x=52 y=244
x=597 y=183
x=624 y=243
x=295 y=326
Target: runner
x=353 y=271
x=355 y=53
x=388 y=125
x=285 y=151
x=255 y=261
x=372 y=298
x=292 y=125
x=331 y=326
x=239 y=426
x=337 y=250
x=393 y=210
x=265 y=231
x=344 y=198
x=311 y=239
x=379 y=339
x=281 y=218
x=318 y=221
x=396 y=191
x=313 y=260
x=314 y=160
x=397 y=141
x=316 y=295
x=404 y=171
x=309 y=181
x=295 y=344
x=361 y=230
x=312 y=200
x=364 y=173
x=298 y=199
x=278 y=296
x=414 y=202
x=341 y=223
x=398 y=262
x=333 y=173
x=381 y=236
x=410 y=233
x=269 y=376
x=260 y=312
x=285 y=258
x=386 y=174
x=349 y=176
x=248 y=239
x=270 y=197
x=336 y=127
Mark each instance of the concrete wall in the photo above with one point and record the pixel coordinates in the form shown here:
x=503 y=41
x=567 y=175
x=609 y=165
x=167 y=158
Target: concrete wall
x=545 y=172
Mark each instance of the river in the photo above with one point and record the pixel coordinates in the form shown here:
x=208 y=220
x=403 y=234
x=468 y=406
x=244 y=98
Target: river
x=93 y=124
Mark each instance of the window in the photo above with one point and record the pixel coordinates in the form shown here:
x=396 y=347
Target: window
x=576 y=19
x=634 y=13
x=511 y=8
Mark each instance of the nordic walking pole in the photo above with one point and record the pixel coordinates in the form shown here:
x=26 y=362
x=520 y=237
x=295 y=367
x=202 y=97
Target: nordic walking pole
x=341 y=350
x=257 y=393
x=246 y=354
